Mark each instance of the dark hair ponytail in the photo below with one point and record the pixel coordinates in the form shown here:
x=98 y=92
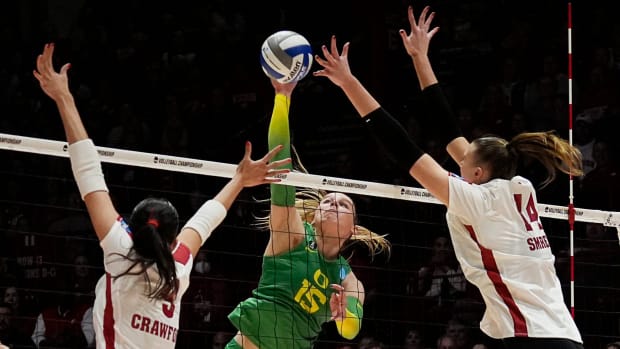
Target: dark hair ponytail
x=154 y=226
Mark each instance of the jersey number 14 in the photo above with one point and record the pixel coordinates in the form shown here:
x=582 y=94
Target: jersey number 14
x=530 y=214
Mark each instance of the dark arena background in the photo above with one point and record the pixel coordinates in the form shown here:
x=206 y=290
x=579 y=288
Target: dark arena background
x=182 y=78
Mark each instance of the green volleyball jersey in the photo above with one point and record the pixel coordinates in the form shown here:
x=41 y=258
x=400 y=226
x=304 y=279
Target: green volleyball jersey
x=291 y=301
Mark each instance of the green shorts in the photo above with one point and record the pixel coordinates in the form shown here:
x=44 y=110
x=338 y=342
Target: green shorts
x=233 y=345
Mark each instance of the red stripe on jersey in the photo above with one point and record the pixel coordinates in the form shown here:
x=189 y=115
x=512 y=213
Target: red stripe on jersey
x=181 y=253
x=108 y=314
x=490 y=266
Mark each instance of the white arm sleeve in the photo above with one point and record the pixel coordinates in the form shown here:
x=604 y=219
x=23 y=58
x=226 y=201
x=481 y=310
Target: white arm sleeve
x=39 y=331
x=87 y=328
x=86 y=167
x=207 y=218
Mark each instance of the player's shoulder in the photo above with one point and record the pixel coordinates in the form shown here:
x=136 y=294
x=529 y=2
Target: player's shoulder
x=455 y=180
x=454 y=175
x=120 y=227
x=518 y=183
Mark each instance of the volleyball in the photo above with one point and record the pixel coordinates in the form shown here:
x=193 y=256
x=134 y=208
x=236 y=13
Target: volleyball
x=286 y=56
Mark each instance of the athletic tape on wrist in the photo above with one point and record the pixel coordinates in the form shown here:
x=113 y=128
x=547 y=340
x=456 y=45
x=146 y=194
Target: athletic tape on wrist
x=207 y=218
x=86 y=167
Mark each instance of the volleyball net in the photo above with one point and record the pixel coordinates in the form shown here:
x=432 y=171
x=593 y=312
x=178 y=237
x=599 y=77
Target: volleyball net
x=210 y=168
x=403 y=292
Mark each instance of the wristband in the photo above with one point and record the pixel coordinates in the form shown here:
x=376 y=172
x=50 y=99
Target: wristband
x=86 y=167
x=206 y=219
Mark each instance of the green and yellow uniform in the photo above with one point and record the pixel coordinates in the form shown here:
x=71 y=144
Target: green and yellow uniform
x=291 y=301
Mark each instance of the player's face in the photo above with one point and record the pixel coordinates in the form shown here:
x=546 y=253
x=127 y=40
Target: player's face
x=335 y=216
x=470 y=170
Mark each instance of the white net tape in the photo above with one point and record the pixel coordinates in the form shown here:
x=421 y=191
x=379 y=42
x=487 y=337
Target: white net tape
x=218 y=169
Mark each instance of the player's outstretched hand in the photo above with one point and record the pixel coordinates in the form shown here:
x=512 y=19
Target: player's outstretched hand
x=417 y=41
x=335 y=64
x=54 y=84
x=261 y=171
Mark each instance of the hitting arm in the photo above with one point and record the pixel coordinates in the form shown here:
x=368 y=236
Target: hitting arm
x=286 y=227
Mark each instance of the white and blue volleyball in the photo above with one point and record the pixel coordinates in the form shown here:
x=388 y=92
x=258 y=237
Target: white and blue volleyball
x=286 y=56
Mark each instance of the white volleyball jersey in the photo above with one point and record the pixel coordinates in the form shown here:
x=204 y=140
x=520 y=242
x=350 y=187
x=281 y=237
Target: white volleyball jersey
x=503 y=250
x=124 y=316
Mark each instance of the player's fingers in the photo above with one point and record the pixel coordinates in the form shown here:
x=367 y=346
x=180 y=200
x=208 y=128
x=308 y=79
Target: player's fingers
x=319 y=59
x=334 y=46
x=43 y=57
x=279 y=171
x=37 y=75
x=49 y=53
x=248 y=150
x=271 y=180
x=278 y=163
x=328 y=56
x=345 y=49
x=272 y=153
x=40 y=66
x=430 y=19
x=423 y=15
x=403 y=35
x=337 y=287
x=411 y=17
x=65 y=68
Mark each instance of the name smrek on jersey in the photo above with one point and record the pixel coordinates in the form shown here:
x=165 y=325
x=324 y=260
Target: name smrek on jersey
x=538 y=242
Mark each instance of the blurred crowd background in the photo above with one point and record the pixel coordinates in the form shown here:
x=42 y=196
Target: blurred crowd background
x=183 y=78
